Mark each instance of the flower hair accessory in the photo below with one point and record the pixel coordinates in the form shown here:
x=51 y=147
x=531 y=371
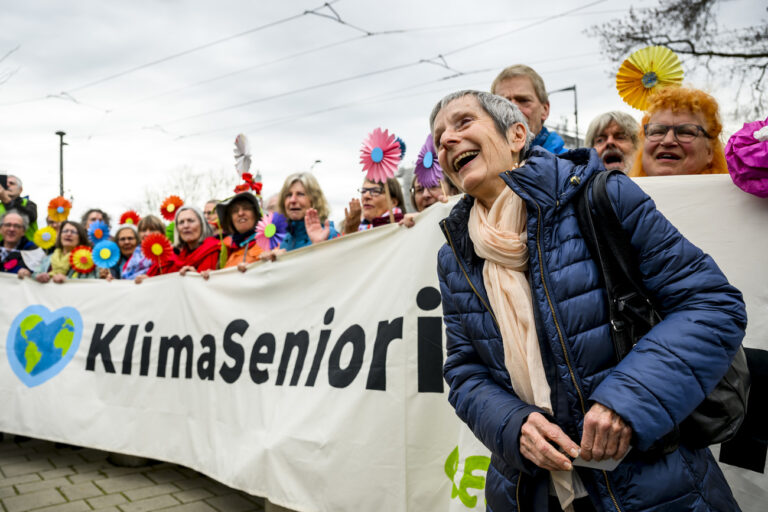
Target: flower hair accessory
x=427 y=170
x=156 y=248
x=644 y=71
x=45 y=237
x=130 y=217
x=271 y=230
x=169 y=207
x=248 y=184
x=58 y=209
x=81 y=259
x=380 y=155
x=98 y=231
x=106 y=254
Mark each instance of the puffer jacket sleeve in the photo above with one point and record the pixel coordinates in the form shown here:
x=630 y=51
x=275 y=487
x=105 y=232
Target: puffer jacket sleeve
x=494 y=413
x=678 y=362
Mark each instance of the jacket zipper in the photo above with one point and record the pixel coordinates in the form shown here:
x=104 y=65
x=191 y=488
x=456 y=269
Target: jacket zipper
x=562 y=338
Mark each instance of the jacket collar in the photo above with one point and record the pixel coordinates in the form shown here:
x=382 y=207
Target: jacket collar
x=552 y=180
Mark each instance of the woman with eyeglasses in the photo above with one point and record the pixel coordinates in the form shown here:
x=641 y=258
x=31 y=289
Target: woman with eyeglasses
x=127 y=239
x=680 y=135
x=372 y=209
x=71 y=234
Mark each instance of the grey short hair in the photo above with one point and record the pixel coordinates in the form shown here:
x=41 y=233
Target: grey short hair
x=18 y=180
x=24 y=218
x=205 y=230
x=503 y=112
x=626 y=122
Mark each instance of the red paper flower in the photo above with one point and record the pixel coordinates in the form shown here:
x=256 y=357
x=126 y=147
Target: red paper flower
x=380 y=155
x=130 y=217
x=248 y=184
x=169 y=207
x=242 y=188
x=157 y=248
x=58 y=209
x=81 y=259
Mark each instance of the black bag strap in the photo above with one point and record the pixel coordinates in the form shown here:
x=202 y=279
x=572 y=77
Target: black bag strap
x=630 y=306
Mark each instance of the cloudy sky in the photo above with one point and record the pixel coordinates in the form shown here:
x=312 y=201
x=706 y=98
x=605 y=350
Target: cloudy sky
x=152 y=92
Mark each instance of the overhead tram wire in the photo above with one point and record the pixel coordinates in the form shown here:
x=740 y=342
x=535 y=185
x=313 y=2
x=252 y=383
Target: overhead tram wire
x=440 y=57
x=286 y=119
x=294 y=91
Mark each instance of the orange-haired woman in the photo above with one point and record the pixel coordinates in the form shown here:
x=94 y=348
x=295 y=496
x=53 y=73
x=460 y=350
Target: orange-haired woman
x=680 y=135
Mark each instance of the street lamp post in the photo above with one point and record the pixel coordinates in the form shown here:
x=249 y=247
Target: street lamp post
x=61 y=161
x=575 y=107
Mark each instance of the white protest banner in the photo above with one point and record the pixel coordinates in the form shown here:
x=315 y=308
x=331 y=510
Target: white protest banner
x=314 y=381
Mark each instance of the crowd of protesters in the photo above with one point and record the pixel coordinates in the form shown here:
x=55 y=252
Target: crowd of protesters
x=679 y=134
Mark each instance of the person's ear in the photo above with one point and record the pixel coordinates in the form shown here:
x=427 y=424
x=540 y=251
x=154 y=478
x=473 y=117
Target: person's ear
x=545 y=112
x=516 y=136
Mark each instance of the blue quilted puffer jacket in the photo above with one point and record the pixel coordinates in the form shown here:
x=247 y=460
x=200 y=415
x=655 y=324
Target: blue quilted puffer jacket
x=654 y=388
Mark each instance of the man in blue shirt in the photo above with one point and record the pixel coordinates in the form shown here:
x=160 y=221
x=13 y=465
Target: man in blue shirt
x=524 y=87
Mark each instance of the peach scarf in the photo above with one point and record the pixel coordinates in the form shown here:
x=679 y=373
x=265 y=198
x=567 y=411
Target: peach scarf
x=499 y=236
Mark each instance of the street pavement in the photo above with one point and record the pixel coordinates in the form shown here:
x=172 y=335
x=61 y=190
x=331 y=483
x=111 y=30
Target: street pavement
x=42 y=476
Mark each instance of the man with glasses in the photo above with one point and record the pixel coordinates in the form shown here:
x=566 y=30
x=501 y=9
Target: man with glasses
x=10 y=199
x=14 y=257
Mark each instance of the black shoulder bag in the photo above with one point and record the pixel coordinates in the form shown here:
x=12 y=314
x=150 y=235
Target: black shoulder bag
x=632 y=312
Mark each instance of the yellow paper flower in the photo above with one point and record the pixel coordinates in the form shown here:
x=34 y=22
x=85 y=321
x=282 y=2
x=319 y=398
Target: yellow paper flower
x=644 y=71
x=45 y=237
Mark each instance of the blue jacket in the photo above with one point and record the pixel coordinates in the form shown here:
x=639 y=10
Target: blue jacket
x=297 y=236
x=551 y=141
x=655 y=387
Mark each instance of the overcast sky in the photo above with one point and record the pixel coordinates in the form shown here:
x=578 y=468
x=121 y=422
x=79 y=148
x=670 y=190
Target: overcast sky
x=305 y=88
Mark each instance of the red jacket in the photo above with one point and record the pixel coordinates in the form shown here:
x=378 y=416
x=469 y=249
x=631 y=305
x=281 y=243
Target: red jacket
x=204 y=257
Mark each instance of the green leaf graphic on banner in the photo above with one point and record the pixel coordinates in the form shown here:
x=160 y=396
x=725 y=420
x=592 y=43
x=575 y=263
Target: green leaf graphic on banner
x=451 y=466
x=468 y=479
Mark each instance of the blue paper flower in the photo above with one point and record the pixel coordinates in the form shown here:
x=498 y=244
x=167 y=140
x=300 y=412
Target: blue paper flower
x=98 y=231
x=106 y=254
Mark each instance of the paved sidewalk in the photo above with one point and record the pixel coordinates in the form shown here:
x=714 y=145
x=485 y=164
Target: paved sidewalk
x=36 y=475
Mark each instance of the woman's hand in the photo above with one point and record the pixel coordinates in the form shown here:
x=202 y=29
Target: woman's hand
x=59 y=278
x=43 y=278
x=315 y=230
x=352 y=216
x=605 y=434
x=23 y=272
x=408 y=220
x=536 y=438
x=109 y=277
x=271 y=255
x=186 y=268
x=242 y=267
x=206 y=274
x=140 y=278
x=103 y=273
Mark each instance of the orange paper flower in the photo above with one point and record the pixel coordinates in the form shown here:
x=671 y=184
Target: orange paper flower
x=169 y=207
x=58 y=209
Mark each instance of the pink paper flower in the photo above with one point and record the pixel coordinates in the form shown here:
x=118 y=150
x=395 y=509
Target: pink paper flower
x=380 y=155
x=427 y=170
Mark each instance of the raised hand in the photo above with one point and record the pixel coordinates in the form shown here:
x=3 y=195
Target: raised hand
x=315 y=230
x=352 y=216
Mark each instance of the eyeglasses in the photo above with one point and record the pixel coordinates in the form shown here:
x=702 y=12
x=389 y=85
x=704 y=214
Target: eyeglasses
x=209 y=212
x=126 y=239
x=417 y=191
x=655 y=132
x=374 y=191
x=13 y=226
x=69 y=232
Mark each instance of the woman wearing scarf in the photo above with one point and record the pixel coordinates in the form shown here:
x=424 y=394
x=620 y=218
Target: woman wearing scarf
x=195 y=248
x=303 y=203
x=239 y=216
x=372 y=209
x=530 y=360
x=71 y=235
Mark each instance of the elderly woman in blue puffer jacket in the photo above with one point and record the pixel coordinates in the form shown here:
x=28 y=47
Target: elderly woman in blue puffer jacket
x=530 y=361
